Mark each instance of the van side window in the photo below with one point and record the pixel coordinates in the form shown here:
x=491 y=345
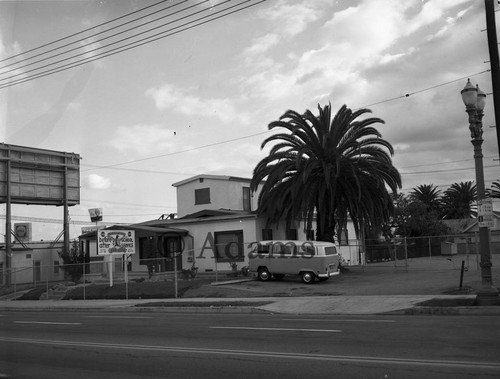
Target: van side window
x=262 y=249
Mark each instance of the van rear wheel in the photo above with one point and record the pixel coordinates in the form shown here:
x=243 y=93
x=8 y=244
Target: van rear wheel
x=307 y=277
x=263 y=274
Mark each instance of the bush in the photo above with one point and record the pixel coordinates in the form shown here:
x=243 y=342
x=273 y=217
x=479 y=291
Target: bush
x=73 y=262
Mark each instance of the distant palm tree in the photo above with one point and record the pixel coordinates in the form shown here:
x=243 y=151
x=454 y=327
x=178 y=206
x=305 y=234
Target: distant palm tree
x=459 y=201
x=494 y=191
x=428 y=195
x=326 y=169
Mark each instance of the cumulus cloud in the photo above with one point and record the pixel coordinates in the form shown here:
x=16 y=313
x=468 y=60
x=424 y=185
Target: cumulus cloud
x=96 y=182
x=143 y=139
x=293 y=18
x=181 y=100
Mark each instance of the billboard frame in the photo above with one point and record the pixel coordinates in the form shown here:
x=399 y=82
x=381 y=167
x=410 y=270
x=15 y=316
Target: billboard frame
x=31 y=175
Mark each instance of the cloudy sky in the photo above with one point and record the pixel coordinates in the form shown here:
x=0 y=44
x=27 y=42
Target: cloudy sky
x=199 y=98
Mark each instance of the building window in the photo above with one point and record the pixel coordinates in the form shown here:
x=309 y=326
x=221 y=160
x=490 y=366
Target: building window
x=343 y=236
x=247 y=205
x=202 y=196
x=267 y=234
x=229 y=246
x=291 y=234
x=147 y=250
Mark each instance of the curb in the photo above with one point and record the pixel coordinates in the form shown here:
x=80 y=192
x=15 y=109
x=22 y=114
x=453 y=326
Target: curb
x=169 y=309
x=447 y=311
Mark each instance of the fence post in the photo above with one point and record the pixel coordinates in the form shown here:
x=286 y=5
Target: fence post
x=477 y=251
x=216 y=269
x=395 y=254
x=13 y=274
x=125 y=259
x=406 y=255
x=84 y=280
x=430 y=249
x=175 y=275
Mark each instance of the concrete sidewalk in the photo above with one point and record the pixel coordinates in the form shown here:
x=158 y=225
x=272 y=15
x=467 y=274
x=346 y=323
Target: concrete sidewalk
x=319 y=305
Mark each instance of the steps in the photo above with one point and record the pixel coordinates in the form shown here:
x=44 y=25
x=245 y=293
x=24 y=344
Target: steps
x=56 y=293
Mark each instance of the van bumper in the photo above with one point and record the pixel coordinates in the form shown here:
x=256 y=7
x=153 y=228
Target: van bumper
x=329 y=274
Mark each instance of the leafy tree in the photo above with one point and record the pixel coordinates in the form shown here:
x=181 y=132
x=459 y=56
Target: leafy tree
x=428 y=195
x=73 y=262
x=413 y=219
x=459 y=201
x=326 y=169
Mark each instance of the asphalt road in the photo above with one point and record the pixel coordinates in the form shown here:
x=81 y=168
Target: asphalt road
x=165 y=345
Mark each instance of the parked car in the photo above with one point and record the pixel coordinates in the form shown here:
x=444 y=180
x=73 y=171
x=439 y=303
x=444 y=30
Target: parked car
x=309 y=259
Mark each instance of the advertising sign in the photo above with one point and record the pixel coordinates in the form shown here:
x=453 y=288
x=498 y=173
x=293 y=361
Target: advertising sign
x=36 y=176
x=95 y=214
x=485 y=213
x=115 y=242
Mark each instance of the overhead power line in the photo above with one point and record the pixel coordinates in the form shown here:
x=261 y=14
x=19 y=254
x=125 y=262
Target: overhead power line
x=81 y=32
x=95 y=167
x=78 y=59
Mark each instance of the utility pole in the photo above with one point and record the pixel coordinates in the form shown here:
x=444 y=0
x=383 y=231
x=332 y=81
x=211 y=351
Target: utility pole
x=494 y=62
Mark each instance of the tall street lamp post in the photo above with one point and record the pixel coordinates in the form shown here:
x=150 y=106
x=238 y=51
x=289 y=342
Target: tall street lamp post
x=475 y=100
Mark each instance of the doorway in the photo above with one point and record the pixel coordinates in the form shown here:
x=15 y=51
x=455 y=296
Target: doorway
x=172 y=250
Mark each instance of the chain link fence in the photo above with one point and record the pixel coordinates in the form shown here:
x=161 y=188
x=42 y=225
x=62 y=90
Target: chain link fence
x=451 y=252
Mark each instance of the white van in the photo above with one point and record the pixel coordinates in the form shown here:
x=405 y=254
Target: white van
x=309 y=259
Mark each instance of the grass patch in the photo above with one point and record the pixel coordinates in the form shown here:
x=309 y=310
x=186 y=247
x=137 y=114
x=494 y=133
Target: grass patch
x=219 y=304
x=34 y=294
x=458 y=302
x=142 y=290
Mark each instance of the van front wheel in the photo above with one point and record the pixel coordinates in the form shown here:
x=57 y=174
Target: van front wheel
x=307 y=277
x=263 y=274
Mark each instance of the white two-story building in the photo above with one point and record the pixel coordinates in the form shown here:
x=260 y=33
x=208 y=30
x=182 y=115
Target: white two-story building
x=215 y=225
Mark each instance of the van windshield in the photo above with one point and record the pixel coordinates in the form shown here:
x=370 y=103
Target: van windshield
x=330 y=250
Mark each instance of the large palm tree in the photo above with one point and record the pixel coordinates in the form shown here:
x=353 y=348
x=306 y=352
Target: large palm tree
x=326 y=169
x=459 y=201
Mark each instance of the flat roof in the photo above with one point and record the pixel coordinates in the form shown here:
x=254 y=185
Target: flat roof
x=214 y=177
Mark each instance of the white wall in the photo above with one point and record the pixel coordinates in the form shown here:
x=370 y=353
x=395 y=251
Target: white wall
x=224 y=194
x=23 y=264
x=203 y=249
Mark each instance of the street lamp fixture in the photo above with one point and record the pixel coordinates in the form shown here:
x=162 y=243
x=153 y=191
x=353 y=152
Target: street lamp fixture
x=475 y=100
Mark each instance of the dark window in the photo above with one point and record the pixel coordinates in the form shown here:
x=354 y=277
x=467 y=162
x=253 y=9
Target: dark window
x=267 y=234
x=291 y=234
x=247 y=206
x=229 y=246
x=56 y=267
x=147 y=250
x=202 y=196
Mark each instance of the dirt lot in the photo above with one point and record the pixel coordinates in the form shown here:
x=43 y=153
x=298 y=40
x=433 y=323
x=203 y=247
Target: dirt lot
x=421 y=276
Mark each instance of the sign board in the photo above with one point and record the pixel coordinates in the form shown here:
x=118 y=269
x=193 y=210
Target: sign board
x=36 y=176
x=95 y=214
x=22 y=231
x=115 y=242
x=485 y=213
